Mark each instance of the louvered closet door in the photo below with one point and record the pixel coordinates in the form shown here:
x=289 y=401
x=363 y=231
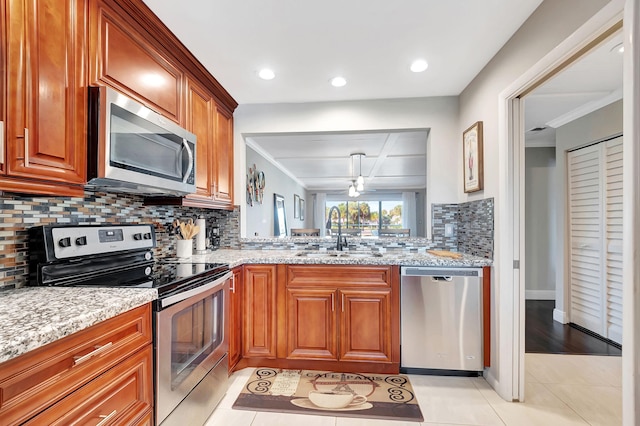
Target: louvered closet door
x=586 y=238
x=613 y=238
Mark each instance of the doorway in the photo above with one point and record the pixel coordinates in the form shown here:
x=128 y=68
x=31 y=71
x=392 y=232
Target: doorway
x=574 y=108
x=510 y=259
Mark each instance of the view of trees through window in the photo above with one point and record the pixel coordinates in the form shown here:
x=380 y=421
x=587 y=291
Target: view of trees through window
x=365 y=218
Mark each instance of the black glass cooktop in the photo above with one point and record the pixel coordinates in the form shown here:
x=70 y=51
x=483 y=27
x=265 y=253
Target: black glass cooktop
x=166 y=275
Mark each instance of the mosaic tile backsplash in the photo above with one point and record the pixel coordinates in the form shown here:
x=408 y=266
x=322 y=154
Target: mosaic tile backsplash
x=473 y=227
x=18 y=213
x=472 y=231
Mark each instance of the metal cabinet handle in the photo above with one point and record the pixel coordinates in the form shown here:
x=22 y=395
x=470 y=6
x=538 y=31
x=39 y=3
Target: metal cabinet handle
x=106 y=418
x=26 y=147
x=190 y=154
x=1 y=142
x=233 y=284
x=97 y=351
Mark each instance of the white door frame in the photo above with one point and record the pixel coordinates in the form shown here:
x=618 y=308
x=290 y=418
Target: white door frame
x=631 y=217
x=510 y=212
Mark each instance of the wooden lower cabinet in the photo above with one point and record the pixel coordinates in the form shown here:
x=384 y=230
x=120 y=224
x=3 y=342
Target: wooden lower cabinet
x=366 y=323
x=105 y=368
x=337 y=317
x=311 y=324
x=235 y=318
x=259 y=311
x=342 y=313
x=122 y=395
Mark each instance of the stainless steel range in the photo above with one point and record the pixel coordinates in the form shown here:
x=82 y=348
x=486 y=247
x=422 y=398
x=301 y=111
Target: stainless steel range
x=190 y=333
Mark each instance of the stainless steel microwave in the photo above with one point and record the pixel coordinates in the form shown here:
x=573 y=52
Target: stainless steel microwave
x=136 y=150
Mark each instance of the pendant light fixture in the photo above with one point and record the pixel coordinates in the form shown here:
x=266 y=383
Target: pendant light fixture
x=357 y=184
x=360 y=180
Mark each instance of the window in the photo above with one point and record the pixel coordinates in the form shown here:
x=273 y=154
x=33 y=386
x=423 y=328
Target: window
x=365 y=218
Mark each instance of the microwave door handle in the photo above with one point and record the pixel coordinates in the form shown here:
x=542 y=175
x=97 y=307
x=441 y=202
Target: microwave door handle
x=190 y=153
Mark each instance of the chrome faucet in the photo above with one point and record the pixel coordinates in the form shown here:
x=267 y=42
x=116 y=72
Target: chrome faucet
x=342 y=241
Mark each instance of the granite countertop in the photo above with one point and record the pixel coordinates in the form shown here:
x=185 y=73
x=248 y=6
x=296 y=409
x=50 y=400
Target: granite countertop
x=390 y=257
x=32 y=317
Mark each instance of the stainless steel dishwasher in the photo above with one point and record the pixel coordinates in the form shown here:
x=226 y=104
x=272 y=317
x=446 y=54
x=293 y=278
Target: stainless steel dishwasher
x=441 y=320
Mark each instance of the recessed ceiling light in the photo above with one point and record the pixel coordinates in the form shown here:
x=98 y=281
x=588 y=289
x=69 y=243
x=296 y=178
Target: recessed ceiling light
x=419 y=65
x=338 y=81
x=266 y=74
x=618 y=48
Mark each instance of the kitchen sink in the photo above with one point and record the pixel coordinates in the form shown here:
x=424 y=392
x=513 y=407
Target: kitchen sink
x=332 y=254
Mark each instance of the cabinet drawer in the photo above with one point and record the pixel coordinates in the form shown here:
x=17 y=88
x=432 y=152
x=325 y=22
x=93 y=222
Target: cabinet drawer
x=122 y=395
x=34 y=381
x=338 y=276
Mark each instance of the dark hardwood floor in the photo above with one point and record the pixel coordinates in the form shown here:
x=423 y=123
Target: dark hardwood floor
x=544 y=335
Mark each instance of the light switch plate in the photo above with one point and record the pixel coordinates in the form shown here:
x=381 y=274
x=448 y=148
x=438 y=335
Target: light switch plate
x=448 y=229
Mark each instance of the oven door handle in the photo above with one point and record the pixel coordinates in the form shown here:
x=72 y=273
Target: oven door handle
x=171 y=300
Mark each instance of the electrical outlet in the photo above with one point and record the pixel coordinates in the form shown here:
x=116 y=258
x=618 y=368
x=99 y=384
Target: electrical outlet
x=448 y=229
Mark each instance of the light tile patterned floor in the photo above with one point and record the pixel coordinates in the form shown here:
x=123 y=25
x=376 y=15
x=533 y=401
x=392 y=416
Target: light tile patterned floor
x=560 y=390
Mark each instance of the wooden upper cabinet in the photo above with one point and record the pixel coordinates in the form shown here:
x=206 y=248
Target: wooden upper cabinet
x=125 y=60
x=200 y=122
x=223 y=159
x=46 y=97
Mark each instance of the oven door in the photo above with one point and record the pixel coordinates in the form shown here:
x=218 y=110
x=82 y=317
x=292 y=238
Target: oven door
x=191 y=340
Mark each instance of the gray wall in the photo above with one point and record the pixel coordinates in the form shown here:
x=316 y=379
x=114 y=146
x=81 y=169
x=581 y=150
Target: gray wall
x=552 y=23
x=540 y=223
x=260 y=216
x=593 y=127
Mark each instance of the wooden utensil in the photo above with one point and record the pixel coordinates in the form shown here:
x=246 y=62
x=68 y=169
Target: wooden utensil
x=445 y=253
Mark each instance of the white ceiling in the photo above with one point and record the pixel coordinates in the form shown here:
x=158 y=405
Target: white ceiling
x=322 y=162
x=591 y=82
x=372 y=43
x=369 y=42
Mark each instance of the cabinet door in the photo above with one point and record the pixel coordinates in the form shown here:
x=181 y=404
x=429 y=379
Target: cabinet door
x=200 y=116
x=46 y=96
x=34 y=381
x=365 y=325
x=124 y=395
x=127 y=61
x=259 y=325
x=311 y=324
x=235 y=318
x=223 y=159
x=3 y=80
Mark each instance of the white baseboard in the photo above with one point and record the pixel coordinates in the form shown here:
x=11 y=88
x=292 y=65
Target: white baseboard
x=540 y=294
x=560 y=316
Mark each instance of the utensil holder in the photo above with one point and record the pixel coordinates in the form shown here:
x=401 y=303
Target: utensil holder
x=184 y=248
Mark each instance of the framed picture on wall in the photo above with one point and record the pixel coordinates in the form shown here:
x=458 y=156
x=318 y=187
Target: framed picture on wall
x=472 y=158
x=301 y=209
x=296 y=206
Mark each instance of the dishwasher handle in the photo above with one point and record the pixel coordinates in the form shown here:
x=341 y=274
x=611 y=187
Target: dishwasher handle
x=421 y=271
x=448 y=279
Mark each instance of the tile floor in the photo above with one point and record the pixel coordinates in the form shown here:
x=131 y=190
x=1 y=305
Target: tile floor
x=560 y=390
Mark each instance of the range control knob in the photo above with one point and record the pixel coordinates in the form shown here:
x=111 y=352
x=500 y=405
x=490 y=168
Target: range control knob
x=65 y=242
x=137 y=236
x=148 y=256
x=81 y=241
x=147 y=236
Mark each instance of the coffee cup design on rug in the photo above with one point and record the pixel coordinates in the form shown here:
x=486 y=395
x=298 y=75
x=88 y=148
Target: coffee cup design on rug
x=335 y=400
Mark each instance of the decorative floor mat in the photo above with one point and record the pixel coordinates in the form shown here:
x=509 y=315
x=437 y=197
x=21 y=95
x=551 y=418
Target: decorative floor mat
x=373 y=396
